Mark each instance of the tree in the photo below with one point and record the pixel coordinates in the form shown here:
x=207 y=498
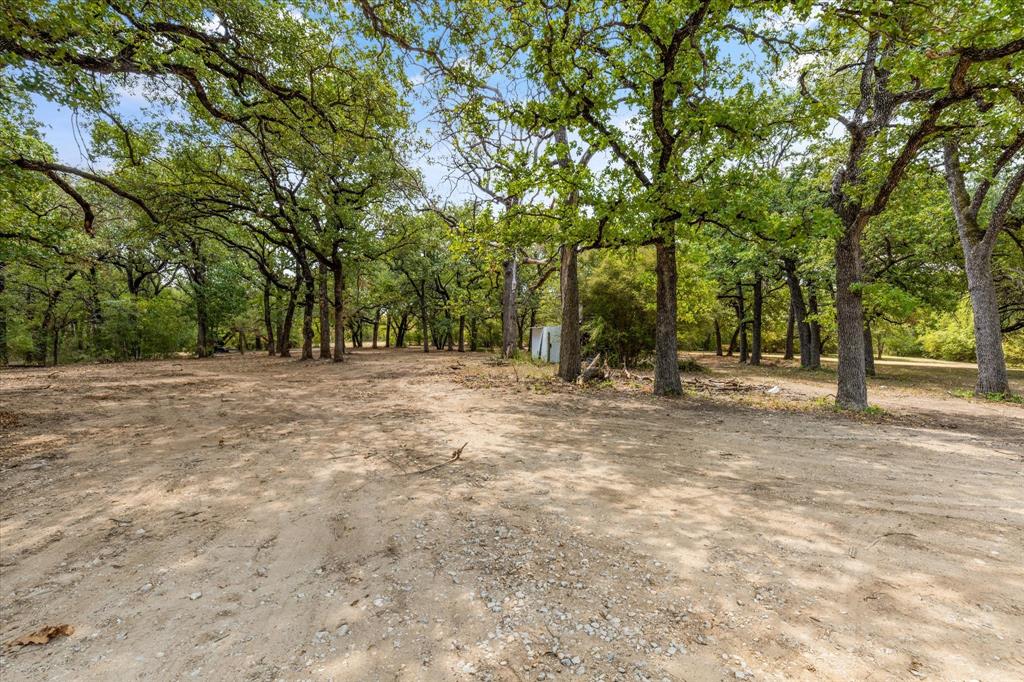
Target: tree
x=892 y=101
x=982 y=212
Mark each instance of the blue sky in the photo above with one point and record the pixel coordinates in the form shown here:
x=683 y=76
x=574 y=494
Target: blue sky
x=68 y=132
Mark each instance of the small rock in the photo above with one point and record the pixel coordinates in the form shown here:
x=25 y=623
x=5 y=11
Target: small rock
x=195 y=595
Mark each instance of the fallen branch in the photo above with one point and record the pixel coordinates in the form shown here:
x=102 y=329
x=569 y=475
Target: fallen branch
x=456 y=455
x=595 y=371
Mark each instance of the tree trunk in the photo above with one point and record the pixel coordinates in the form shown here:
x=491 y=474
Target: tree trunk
x=755 y=351
x=284 y=339
x=41 y=342
x=339 y=308
x=741 y=313
x=977 y=244
x=56 y=344
x=267 y=321
x=509 y=328
x=387 y=331
x=988 y=338
x=718 y=338
x=462 y=333
x=732 y=341
x=400 y=329
x=472 y=335
x=570 y=357
x=325 y=314
x=202 y=333
x=202 y=314
x=796 y=302
x=197 y=275
x=424 y=320
x=666 y=355
x=95 y=310
x=241 y=342
x=869 y=353
x=814 y=327
x=852 y=390
x=520 y=327
x=4 y=358
x=790 y=328
x=308 y=299
x=376 y=327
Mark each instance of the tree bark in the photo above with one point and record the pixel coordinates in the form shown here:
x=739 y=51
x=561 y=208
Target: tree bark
x=462 y=333
x=197 y=274
x=401 y=327
x=718 y=338
x=308 y=299
x=95 y=310
x=267 y=321
x=732 y=341
x=202 y=313
x=741 y=313
x=790 y=329
x=376 y=327
x=977 y=244
x=202 y=332
x=814 y=341
x=796 y=302
x=4 y=358
x=988 y=337
x=325 y=314
x=339 y=308
x=666 y=355
x=387 y=331
x=56 y=345
x=284 y=339
x=869 y=353
x=509 y=326
x=852 y=392
x=755 y=351
x=570 y=357
x=424 y=319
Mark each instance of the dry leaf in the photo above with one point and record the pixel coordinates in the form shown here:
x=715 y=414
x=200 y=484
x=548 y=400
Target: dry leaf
x=44 y=635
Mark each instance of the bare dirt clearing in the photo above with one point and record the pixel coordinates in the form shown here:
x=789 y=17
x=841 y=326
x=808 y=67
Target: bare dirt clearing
x=256 y=518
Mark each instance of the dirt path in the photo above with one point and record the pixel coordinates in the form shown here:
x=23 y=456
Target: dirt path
x=263 y=519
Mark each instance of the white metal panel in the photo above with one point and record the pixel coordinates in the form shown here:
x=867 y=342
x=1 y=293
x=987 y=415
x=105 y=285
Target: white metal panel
x=554 y=343
x=545 y=343
x=536 y=341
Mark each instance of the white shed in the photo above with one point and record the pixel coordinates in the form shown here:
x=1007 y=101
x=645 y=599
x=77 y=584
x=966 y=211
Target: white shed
x=545 y=343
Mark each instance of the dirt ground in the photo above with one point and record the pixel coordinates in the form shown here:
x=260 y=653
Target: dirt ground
x=256 y=518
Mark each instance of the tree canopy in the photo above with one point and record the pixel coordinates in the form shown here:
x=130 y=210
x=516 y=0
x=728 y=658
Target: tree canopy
x=816 y=177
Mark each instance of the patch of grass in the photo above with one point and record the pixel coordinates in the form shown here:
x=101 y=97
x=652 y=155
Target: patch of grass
x=828 y=402
x=1005 y=398
x=691 y=365
x=968 y=394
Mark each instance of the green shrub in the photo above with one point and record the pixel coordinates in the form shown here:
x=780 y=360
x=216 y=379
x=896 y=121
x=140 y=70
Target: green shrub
x=135 y=328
